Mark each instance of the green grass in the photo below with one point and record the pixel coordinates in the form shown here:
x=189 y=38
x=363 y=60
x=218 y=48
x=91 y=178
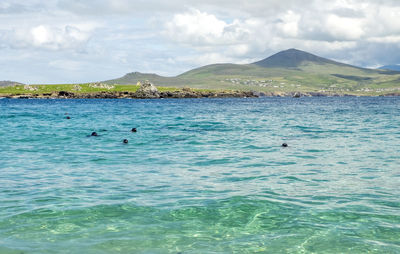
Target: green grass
x=84 y=88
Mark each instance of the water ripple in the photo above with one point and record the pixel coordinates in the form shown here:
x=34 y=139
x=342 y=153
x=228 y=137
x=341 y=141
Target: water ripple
x=200 y=176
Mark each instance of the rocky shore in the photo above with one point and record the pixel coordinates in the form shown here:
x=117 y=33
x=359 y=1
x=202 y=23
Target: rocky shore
x=170 y=94
x=149 y=91
x=145 y=91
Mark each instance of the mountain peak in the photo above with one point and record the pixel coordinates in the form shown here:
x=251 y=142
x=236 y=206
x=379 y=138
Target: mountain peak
x=291 y=58
x=293 y=50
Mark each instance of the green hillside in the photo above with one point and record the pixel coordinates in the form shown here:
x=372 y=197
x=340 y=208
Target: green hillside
x=289 y=70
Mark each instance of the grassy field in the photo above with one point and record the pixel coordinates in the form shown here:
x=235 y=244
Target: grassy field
x=76 y=88
x=80 y=88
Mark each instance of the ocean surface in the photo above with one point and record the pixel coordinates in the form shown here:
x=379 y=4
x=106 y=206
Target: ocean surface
x=200 y=176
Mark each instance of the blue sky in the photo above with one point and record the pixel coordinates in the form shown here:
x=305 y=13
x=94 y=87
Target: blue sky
x=71 y=41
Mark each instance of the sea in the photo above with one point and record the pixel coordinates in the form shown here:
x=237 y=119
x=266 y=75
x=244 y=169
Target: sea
x=200 y=175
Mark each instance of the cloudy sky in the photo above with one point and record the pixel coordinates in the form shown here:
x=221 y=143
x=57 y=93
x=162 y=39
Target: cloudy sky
x=60 y=41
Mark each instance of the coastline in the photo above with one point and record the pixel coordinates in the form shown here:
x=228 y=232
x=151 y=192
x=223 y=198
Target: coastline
x=179 y=94
x=133 y=95
x=147 y=90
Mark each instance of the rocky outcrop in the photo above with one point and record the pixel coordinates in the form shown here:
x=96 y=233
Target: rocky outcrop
x=147 y=90
x=30 y=88
x=189 y=93
x=303 y=94
x=147 y=94
x=391 y=94
x=102 y=86
x=77 y=88
x=296 y=95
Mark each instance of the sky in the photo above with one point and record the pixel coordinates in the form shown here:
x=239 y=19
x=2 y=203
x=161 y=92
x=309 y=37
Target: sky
x=73 y=41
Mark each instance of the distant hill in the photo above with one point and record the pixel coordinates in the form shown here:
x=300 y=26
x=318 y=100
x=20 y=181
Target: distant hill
x=134 y=77
x=289 y=70
x=292 y=58
x=137 y=75
x=391 y=67
x=9 y=83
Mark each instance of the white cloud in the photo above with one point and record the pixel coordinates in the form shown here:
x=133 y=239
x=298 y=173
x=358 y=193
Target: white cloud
x=196 y=27
x=289 y=24
x=130 y=35
x=343 y=28
x=207 y=33
x=50 y=37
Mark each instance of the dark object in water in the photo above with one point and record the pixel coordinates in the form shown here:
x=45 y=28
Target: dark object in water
x=133 y=130
x=125 y=141
x=284 y=145
x=68 y=117
x=94 y=134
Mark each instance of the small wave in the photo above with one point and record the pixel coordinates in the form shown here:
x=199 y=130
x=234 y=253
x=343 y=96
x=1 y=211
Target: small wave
x=293 y=178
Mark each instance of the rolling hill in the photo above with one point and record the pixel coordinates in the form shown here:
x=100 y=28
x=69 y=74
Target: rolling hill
x=289 y=70
x=6 y=83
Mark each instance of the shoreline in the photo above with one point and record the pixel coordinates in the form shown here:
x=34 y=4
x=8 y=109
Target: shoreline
x=132 y=95
x=181 y=94
x=146 y=90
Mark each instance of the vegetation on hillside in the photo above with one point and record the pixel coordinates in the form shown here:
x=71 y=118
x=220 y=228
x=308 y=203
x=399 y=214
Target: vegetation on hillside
x=287 y=71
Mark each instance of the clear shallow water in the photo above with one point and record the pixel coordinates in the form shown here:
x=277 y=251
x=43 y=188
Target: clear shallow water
x=200 y=176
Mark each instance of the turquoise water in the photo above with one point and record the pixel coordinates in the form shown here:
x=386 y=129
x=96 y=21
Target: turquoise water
x=200 y=176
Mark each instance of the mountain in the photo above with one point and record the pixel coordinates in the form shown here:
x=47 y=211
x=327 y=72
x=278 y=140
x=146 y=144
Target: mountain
x=293 y=58
x=9 y=83
x=394 y=67
x=287 y=70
